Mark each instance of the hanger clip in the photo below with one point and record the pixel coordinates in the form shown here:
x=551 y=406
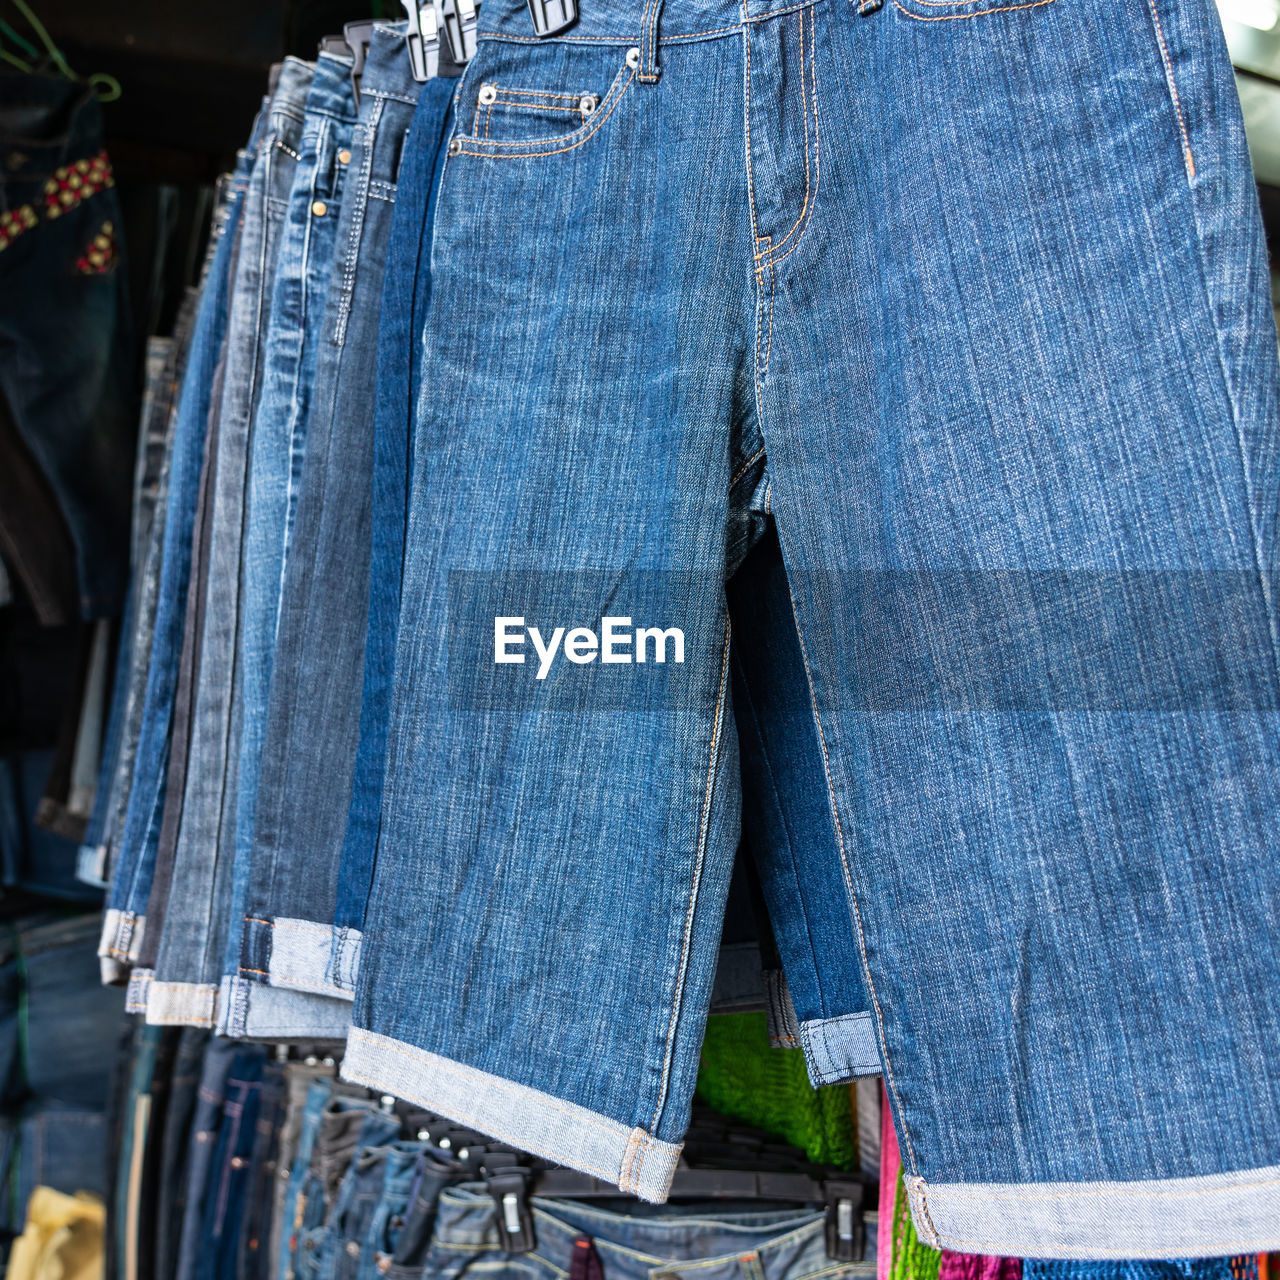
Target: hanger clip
x=423 y=39
x=458 y=19
x=846 y=1232
x=509 y=1188
x=357 y=35
x=552 y=16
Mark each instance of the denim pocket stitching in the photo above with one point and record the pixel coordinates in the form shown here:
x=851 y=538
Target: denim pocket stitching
x=571 y=140
x=976 y=13
x=1188 y=159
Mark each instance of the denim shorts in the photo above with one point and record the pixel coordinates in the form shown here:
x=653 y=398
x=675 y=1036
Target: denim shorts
x=968 y=302
x=283 y=945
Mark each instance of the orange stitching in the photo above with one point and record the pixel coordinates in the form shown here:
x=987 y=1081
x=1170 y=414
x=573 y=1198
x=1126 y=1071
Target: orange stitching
x=1173 y=91
x=530 y=106
x=537 y=93
x=780 y=13
x=697 y=877
x=591 y=129
x=804 y=97
x=733 y=479
x=948 y=17
x=620 y=43
x=751 y=187
x=646 y=40
x=256 y=920
x=848 y=879
x=263 y=972
x=773 y=288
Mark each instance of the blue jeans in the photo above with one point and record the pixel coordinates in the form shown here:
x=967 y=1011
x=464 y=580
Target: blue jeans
x=1002 y=371
x=289 y=401
x=404 y=294
x=189 y=960
x=688 y=1241
x=314 y=711
x=139 y=828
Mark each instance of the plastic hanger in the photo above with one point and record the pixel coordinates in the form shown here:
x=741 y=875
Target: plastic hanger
x=105 y=87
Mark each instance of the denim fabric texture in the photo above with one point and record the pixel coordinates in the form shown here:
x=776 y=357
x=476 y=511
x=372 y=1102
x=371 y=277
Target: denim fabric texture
x=314 y=714
x=893 y=275
x=68 y=378
x=404 y=294
x=686 y=1241
x=294 y=1206
x=189 y=959
x=222 y=1058
x=290 y=397
x=139 y=831
x=172 y=1184
x=298 y=1078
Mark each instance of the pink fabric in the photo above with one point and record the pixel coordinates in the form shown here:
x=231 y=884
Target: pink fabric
x=890 y=1163
x=970 y=1266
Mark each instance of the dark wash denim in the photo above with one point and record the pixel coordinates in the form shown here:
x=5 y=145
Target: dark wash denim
x=299 y=1078
x=314 y=712
x=189 y=961
x=361 y=1209
x=404 y=295
x=223 y=1061
x=139 y=832
x=171 y=1198
x=67 y=374
x=786 y=818
x=984 y=287
x=294 y=1205
x=696 y=1240
x=291 y=397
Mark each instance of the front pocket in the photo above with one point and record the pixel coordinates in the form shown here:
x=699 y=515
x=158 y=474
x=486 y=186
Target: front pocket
x=942 y=10
x=541 y=103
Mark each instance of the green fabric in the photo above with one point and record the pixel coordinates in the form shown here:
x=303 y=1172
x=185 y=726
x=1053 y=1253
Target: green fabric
x=911 y=1259
x=742 y=1076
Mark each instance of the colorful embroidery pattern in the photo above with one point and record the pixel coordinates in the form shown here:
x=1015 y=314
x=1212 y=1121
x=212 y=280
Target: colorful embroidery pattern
x=102 y=254
x=73 y=183
x=65 y=189
x=14 y=222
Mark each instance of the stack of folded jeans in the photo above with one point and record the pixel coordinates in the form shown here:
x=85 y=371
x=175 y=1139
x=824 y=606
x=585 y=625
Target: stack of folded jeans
x=840 y=431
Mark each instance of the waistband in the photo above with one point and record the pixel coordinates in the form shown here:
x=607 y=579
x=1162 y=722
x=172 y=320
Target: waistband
x=387 y=71
x=331 y=92
x=623 y=21
x=289 y=96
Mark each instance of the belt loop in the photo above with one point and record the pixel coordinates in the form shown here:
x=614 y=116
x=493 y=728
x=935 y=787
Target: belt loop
x=650 y=71
x=869 y=6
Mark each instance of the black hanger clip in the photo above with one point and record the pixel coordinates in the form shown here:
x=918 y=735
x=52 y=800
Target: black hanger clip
x=552 y=16
x=846 y=1231
x=423 y=39
x=509 y=1188
x=458 y=18
x=357 y=35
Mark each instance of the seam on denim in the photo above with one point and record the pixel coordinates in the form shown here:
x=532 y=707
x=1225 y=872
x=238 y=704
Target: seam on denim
x=587 y=132
x=1188 y=159
x=532 y=106
x=1224 y=1246
x=386 y=96
x=369 y=135
x=978 y=13
x=745 y=467
x=853 y=898
x=804 y=99
x=539 y=93
x=257 y=920
x=753 y=19
x=383 y=1043
x=773 y=289
x=1111 y=1189
x=614 y=41
x=383 y=196
x=712 y=763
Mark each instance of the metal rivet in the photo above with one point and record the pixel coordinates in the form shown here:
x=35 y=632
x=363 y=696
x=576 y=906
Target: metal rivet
x=319 y=208
x=488 y=94
x=344 y=156
x=633 y=58
x=588 y=103
x=237 y=1162
x=455 y=146
x=353 y=1249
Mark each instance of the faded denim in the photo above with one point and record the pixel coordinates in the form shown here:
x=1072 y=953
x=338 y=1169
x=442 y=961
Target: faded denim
x=972 y=300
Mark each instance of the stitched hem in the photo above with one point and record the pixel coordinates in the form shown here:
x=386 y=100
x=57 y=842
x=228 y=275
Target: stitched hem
x=837 y=1050
x=784 y=1026
x=1218 y=1215
x=630 y=1158
x=300 y=956
x=344 y=961
x=121 y=936
x=181 y=1004
x=135 y=996
x=251 y=1011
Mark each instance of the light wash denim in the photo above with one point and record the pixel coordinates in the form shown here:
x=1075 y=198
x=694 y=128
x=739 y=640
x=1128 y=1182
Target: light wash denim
x=183 y=988
x=971 y=299
x=313 y=715
x=137 y=829
x=288 y=401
